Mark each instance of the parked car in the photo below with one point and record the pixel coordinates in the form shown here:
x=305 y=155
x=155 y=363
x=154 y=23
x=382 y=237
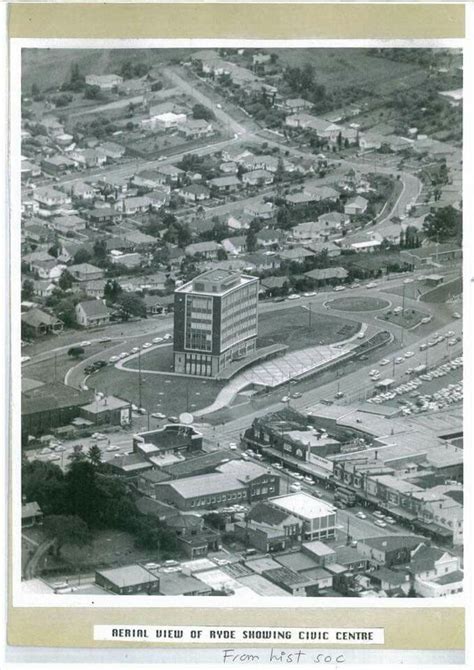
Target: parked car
x=147 y=345
x=361 y=515
x=379 y=522
x=156 y=340
x=173 y=419
x=167 y=336
x=295 y=487
x=158 y=415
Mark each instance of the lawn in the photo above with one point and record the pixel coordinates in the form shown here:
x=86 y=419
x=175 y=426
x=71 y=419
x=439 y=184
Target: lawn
x=341 y=68
x=444 y=292
x=407 y=319
x=171 y=394
x=358 y=304
x=55 y=368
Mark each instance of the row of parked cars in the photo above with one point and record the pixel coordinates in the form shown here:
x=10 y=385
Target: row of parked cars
x=135 y=350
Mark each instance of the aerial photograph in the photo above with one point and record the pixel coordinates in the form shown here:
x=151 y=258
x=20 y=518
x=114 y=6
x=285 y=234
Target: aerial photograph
x=241 y=322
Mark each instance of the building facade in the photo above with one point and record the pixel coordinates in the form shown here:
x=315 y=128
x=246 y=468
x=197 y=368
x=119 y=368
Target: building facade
x=215 y=322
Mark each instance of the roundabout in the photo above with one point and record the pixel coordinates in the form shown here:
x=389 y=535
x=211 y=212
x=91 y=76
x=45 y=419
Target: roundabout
x=358 y=304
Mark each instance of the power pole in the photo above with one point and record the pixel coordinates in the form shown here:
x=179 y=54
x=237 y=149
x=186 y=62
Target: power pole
x=139 y=379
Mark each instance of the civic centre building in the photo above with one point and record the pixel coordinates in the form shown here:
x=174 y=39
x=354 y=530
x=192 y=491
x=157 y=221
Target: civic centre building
x=215 y=322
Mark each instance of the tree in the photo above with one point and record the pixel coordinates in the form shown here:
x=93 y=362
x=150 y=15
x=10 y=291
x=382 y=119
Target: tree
x=27 y=290
x=100 y=250
x=44 y=483
x=112 y=290
x=251 y=239
x=67 y=529
x=75 y=352
x=92 y=92
x=94 y=455
x=82 y=256
x=65 y=281
x=65 y=310
x=202 y=112
x=444 y=224
x=131 y=305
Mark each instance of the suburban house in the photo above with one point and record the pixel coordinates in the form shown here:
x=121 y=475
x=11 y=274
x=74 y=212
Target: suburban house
x=106 y=82
x=36 y=323
x=85 y=272
x=50 y=198
x=31 y=514
x=207 y=249
x=235 y=245
x=170 y=174
x=257 y=178
x=79 y=189
x=260 y=210
x=195 y=193
x=112 y=150
x=357 y=205
x=68 y=224
x=225 y=184
x=128 y=580
x=323 y=276
x=196 y=128
x=92 y=313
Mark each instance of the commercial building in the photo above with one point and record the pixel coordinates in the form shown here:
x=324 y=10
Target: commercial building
x=318 y=517
x=215 y=322
x=128 y=580
x=108 y=410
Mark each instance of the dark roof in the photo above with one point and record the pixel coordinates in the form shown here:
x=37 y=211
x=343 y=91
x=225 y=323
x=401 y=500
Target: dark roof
x=198 y=463
x=286 y=577
x=262 y=512
x=154 y=508
x=36 y=317
x=394 y=577
x=94 y=308
x=155 y=476
x=53 y=396
x=451 y=577
x=456 y=495
x=393 y=542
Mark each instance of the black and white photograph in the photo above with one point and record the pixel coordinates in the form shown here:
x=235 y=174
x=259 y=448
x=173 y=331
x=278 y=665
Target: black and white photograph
x=239 y=324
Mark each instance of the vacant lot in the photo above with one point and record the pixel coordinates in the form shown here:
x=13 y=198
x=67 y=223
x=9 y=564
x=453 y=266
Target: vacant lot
x=358 y=304
x=339 y=68
x=444 y=292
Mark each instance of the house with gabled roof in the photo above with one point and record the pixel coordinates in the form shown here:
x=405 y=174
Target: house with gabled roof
x=92 y=313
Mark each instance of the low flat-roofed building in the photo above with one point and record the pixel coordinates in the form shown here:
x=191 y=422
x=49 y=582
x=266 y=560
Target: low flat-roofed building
x=262 y=563
x=296 y=584
x=297 y=561
x=322 y=554
x=128 y=580
x=179 y=584
x=108 y=410
x=50 y=406
x=319 y=517
x=263 y=587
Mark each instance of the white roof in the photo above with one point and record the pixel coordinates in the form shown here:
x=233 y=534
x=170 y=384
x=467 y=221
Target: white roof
x=303 y=505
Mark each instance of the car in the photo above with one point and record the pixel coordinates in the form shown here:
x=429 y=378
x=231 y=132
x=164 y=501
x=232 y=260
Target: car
x=141 y=410
x=356 y=285
x=152 y=566
x=135 y=350
x=364 y=357
x=157 y=339
x=409 y=354
x=167 y=336
x=456 y=315
x=102 y=340
x=426 y=319
x=123 y=354
x=45 y=451
x=339 y=288
x=371 y=284
x=452 y=342
x=423 y=346
x=373 y=372
x=399 y=360
x=408 y=280
x=162 y=158
x=113 y=359
x=361 y=515
x=89 y=369
x=134 y=408
x=60 y=448
x=308 y=479
x=378 y=514
x=112 y=447
x=175 y=568
x=97 y=365
x=384 y=361
x=279 y=299
x=278 y=466
x=54 y=457
x=296 y=486
x=158 y=415
x=379 y=522
x=293 y=296
x=86 y=343
x=24 y=359
x=147 y=345
x=173 y=419
x=221 y=561
x=233 y=446
x=298 y=475
x=286 y=398
x=218 y=105
x=339 y=394
x=390 y=520
x=297 y=394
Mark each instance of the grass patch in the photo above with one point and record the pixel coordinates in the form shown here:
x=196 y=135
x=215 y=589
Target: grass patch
x=358 y=304
x=407 y=319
